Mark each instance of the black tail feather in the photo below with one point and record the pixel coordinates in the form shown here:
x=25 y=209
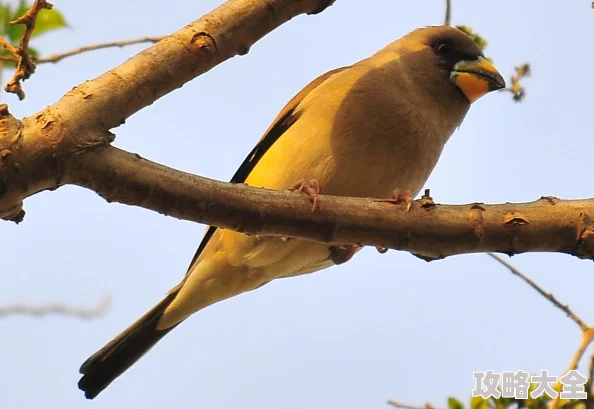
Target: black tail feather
x=123 y=351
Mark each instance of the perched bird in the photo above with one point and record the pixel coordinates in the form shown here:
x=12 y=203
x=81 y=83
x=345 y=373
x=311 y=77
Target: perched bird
x=365 y=130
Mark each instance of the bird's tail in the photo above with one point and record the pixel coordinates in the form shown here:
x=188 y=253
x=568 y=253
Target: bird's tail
x=123 y=351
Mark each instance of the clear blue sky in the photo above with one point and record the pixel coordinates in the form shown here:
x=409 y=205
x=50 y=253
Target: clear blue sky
x=379 y=327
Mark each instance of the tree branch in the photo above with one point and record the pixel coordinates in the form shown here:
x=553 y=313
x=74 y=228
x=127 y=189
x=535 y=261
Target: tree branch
x=406 y=406
x=541 y=291
x=32 y=152
x=587 y=338
x=589 y=404
x=68 y=143
x=60 y=309
x=60 y=56
x=431 y=230
x=587 y=332
x=448 y=13
x=25 y=65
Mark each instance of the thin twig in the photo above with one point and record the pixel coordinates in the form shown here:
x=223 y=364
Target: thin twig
x=57 y=57
x=589 y=404
x=405 y=406
x=588 y=332
x=587 y=339
x=542 y=292
x=60 y=309
x=60 y=56
x=25 y=64
x=591 y=376
x=448 y=13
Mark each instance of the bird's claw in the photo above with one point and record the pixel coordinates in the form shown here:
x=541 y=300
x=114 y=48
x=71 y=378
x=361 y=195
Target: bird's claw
x=312 y=189
x=342 y=254
x=399 y=198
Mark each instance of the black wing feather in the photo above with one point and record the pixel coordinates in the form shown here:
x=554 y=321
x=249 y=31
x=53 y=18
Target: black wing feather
x=288 y=116
x=250 y=162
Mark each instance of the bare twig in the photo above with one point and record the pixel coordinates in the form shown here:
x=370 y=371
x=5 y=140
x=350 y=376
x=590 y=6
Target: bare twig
x=201 y=41
x=60 y=56
x=58 y=309
x=405 y=406
x=591 y=376
x=448 y=13
x=587 y=332
x=84 y=117
x=589 y=404
x=57 y=57
x=542 y=292
x=25 y=64
x=587 y=338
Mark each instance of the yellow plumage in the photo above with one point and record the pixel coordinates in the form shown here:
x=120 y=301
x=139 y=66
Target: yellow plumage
x=365 y=130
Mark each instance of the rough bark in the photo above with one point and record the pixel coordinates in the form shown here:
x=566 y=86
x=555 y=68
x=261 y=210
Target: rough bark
x=428 y=229
x=69 y=143
x=35 y=151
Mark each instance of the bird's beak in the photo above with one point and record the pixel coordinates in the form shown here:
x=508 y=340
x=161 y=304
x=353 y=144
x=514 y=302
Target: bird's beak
x=476 y=78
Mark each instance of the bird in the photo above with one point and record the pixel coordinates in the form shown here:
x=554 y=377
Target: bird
x=370 y=129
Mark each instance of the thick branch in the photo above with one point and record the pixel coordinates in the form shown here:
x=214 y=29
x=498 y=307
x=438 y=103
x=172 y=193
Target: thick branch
x=68 y=143
x=32 y=153
x=227 y=31
x=434 y=231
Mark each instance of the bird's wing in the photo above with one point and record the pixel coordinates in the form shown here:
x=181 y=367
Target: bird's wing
x=287 y=117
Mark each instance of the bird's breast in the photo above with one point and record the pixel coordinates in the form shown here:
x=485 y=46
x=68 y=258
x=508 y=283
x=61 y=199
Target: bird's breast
x=361 y=133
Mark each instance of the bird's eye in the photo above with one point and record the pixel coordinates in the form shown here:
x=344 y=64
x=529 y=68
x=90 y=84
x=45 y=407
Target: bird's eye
x=443 y=48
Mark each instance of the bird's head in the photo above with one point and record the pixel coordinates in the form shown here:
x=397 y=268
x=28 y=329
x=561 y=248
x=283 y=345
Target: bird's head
x=450 y=58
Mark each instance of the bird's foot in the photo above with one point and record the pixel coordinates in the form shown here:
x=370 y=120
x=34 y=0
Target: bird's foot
x=312 y=189
x=399 y=198
x=342 y=254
